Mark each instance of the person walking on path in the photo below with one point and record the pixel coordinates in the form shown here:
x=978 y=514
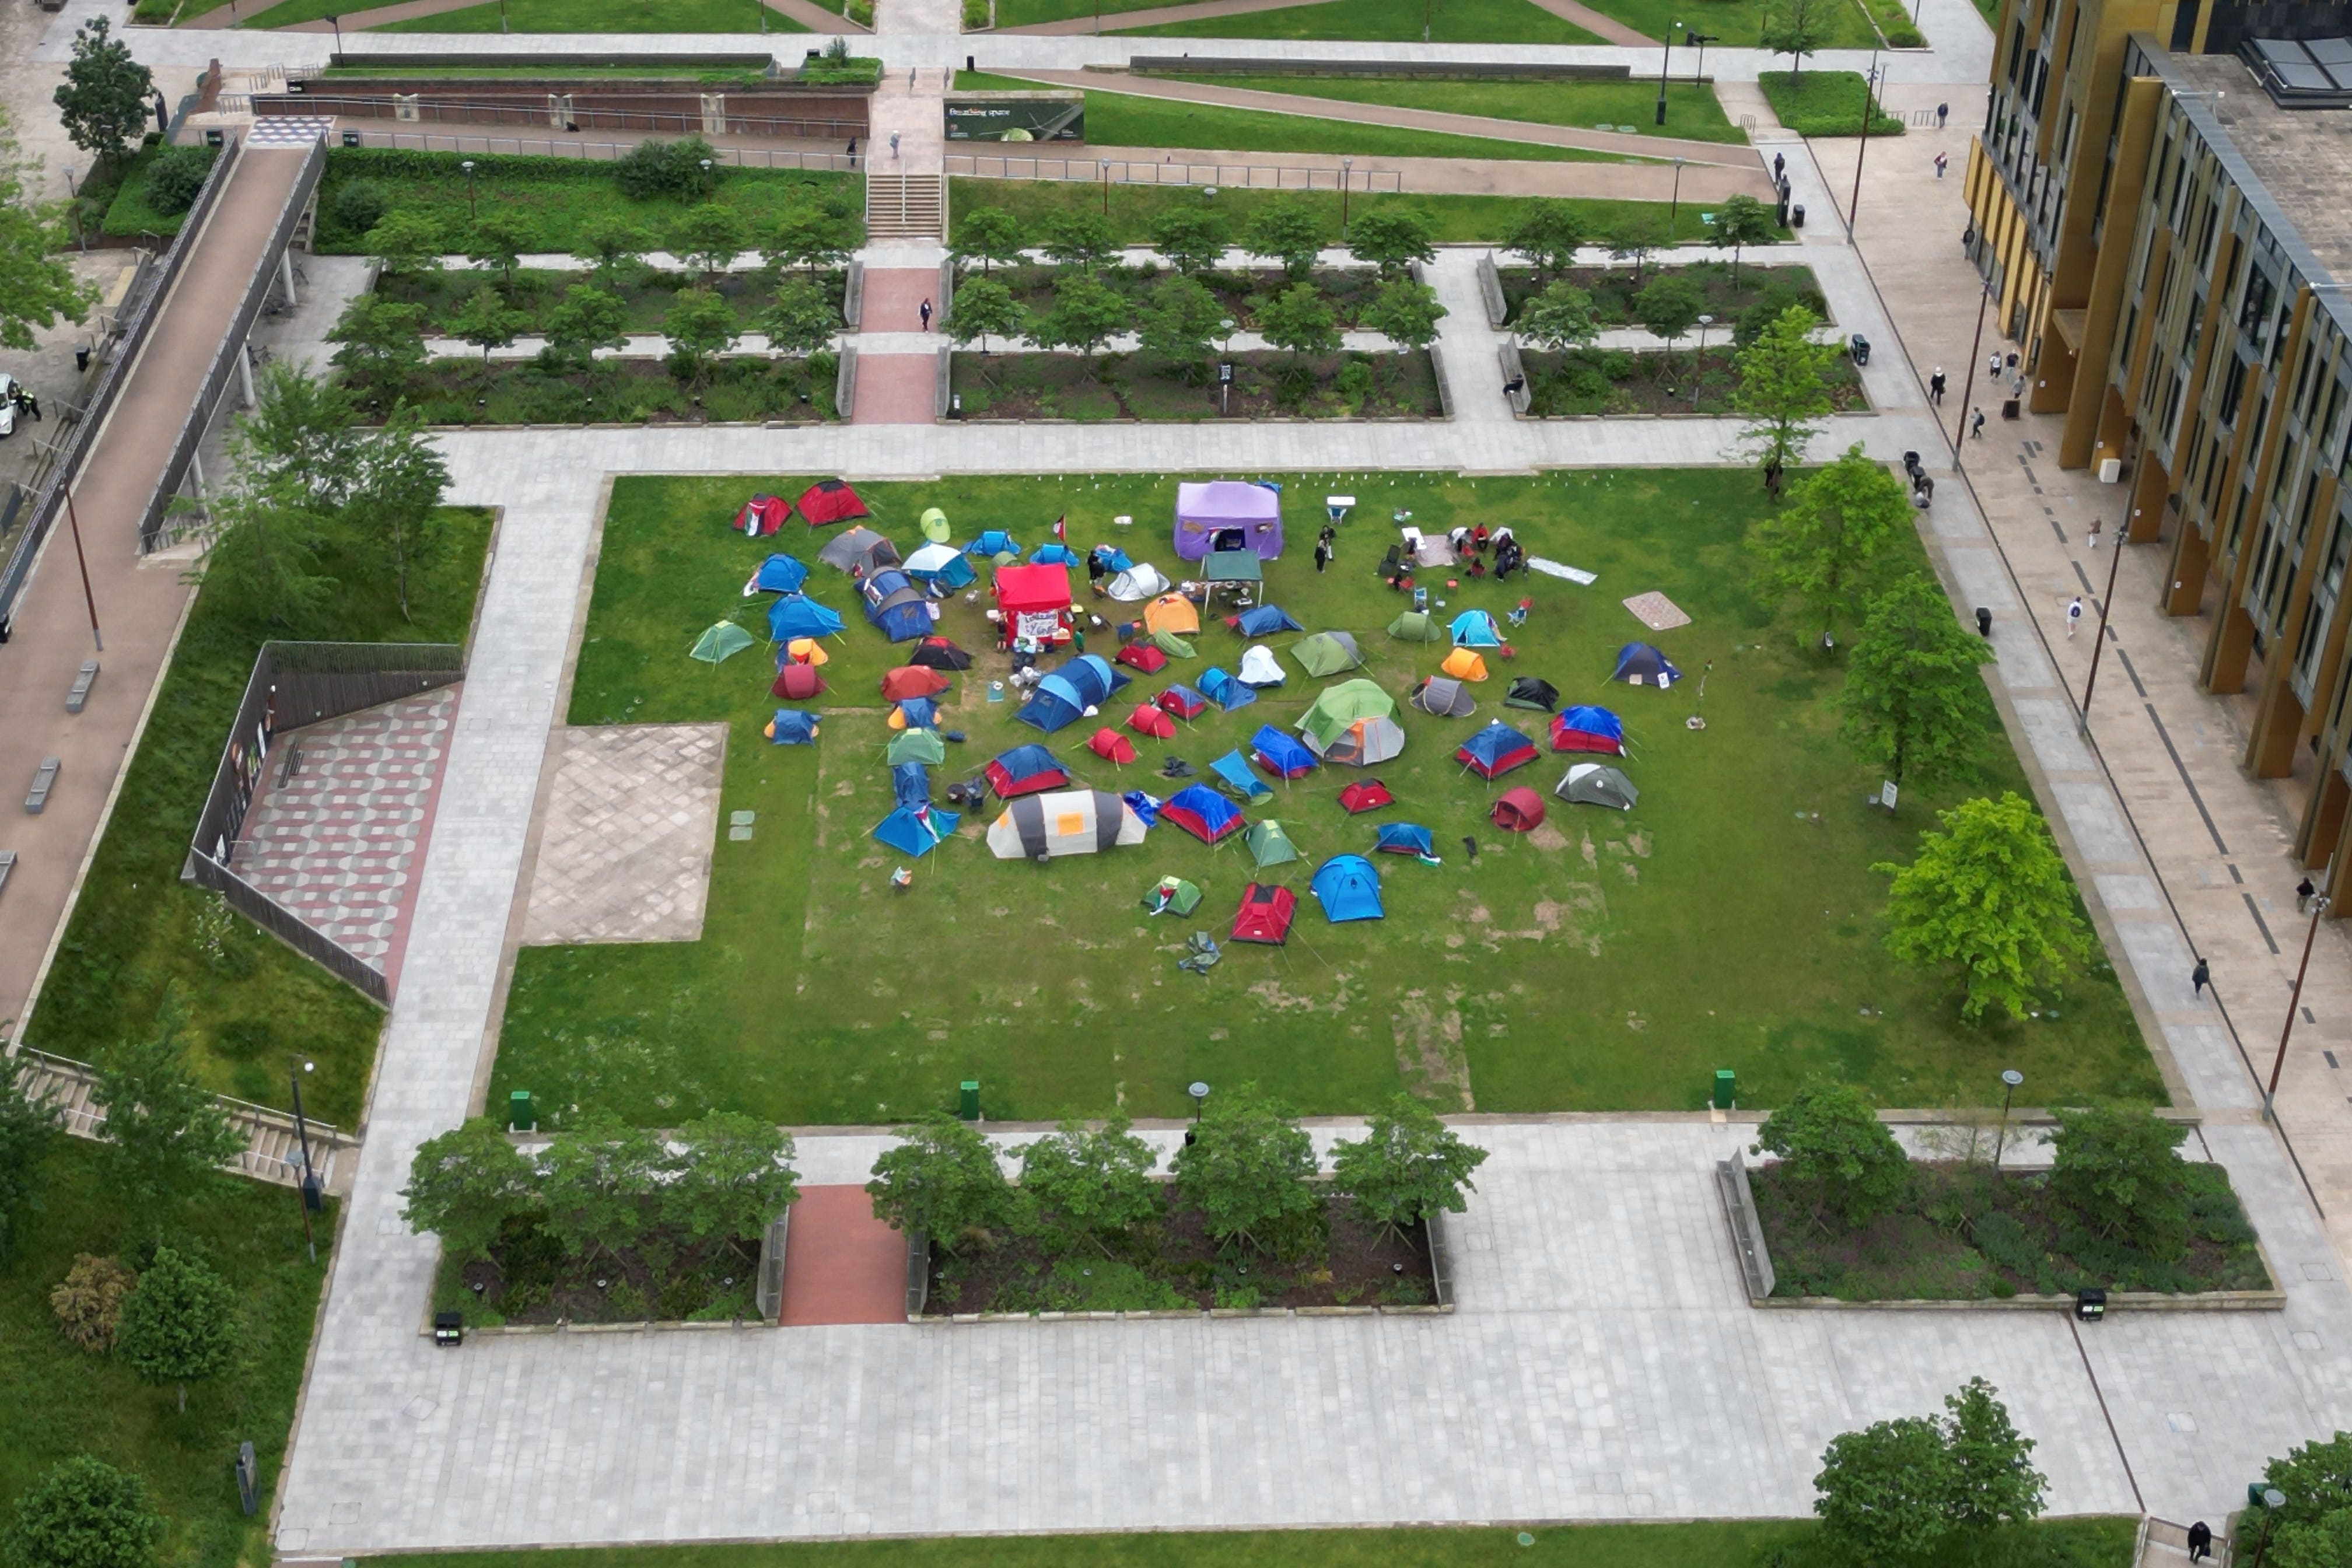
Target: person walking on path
x=1936 y=387
x=1992 y=367
x=853 y=151
x=1941 y=159
x=2200 y=977
x=2093 y=535
x=894 y=143
x=2200 y=1542
x=1779 y=161
x=925 y=311
x=2302 y=892
x=1943 y=111
x=2073 y=615
x=1976 y=424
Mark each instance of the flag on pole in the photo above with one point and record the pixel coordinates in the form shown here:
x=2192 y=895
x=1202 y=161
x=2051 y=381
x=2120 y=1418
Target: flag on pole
x=1062 y=528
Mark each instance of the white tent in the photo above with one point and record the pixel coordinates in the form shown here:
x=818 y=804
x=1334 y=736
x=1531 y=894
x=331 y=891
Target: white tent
x=1064 y=822
x=1139 y=582
x=1259 y=667
x=931 y=560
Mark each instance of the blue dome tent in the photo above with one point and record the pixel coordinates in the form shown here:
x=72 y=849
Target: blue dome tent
x=1583 y=729
x=1064 y=697
x=1202 y=813
x=1232 y=769
x=993 y=543
x=1224 y=691
x=894 y=606
x=1265 y=621
x=1348 y=889
x=1475 y=628
x=1496 y=750
x=777 y=574
x=1281 y=754
x=1406 y=838
x=794 y=728
x=910 y=785
x=919 y=712
x=917 y=831
x=1640 y=664
x=1053 y=552
x=798 y=615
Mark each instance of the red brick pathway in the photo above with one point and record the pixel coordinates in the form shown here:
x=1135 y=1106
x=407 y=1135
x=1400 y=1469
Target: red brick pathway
x=896 y=389
x=894 y=297
x=840 y=1264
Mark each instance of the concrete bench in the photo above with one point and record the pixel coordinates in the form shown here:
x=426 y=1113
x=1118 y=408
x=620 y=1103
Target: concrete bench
x=79 y=698
x=7 y=866
x=44 y=778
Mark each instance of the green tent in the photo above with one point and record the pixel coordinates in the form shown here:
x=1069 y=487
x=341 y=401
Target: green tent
x=912 y=745
x=1268 y=844
x=1415 y=626
x=1172 y=896
x=935 y=525
x=1343 y=705
x=1326 y=653
x=721 y=643
x=1172 y=645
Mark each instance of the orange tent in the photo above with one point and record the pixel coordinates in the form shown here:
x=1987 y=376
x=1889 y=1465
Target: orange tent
x=912 y=680
x=1463 y=664
x=806 y=650
x=1173 y=614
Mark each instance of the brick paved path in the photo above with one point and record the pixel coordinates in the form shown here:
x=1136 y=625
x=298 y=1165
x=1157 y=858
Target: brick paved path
x=840 y=1264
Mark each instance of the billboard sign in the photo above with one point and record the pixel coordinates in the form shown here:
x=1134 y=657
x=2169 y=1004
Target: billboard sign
x=1016 y=116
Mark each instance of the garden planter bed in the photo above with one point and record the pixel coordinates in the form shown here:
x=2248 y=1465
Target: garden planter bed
x=1613 y=288
x=528 y=1283
x=1039 y=387
x=535 y=293
x=1613 y=380
x=1348 y=290
x=754 y=390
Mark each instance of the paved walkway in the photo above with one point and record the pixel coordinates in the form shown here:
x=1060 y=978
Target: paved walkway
x=1606 y=29
x=625 y=836
x=840 y=1264
x=812 y=16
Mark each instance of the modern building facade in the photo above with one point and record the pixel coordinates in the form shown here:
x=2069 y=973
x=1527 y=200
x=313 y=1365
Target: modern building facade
x=2162 y=210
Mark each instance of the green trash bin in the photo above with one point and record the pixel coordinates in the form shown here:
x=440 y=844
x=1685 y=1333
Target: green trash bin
x=1727 y=1088
x=970 y=1108
x=520 y=1118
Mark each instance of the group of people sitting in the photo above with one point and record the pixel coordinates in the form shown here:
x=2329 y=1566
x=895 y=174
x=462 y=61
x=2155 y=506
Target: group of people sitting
x=1471 y=544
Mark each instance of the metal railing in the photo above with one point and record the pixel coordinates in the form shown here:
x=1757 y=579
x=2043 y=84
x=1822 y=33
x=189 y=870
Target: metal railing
x=569 y=113
x=1182 y=65
x=769 y=1290
x=1245 y=176
x=592 y=152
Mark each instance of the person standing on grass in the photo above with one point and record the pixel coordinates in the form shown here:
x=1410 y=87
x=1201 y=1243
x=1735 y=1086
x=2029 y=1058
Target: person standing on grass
x=2073 y=615
x=1322 y=553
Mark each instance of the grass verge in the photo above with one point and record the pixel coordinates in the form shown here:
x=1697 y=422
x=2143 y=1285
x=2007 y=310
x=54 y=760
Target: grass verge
x=1735 y=24
x=1824 y=103
x=604 y=17
x=1693 y=112
x=1135 y=210
x=130 y=214
x=1385 y=21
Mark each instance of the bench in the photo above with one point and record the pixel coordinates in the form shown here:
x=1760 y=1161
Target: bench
x=44 y=778
x=7 y=865
x=79 y=698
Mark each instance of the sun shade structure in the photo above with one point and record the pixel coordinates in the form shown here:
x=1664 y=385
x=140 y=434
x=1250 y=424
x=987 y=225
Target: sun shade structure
x=1226 y=692
x=1353 y=722
x=1172 y=896
x=1585 y=729
x=1224 y=514
x=792 y=727
x=1518 y=810
x=1137 y=584
x=939 y=653
x=829 y=501
x=1025 y=770
x=1443 y=697
x=1142 y=657
x=1404 y=839
x=1266 y=914
x=1233 y=566
x=1233 y=772
x=1416 y=625
x=922 y=746
x=1496 y=750
x=1462 y=664
x=1150 y=719
x=1363 y=796
x=917 y=830
x=1641 y=664
x=1265 y=621
x=777 y=574
x=943 y=565
x=1202 y=813
x=912 y=680
x=894 y=606
x=763 y=515
x=1068 y=822
x=1281 y=754
x=1597 y=783
x=797 y=683
x=1326 y=653
x=1475 y=628
x=1268 y=844
x=1183 y=701
x=1064 y=696
x=1111 y=747
x=721 y=643
x=1172 y=613
x=994 y=544
x=1035 y=602
x=1348 y=889
x=1526 y=691
x=797 y=615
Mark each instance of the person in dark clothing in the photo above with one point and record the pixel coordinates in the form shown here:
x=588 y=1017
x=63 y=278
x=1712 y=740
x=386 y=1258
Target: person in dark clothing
x=2302 y=892
x=33 y=407
x=924 y=310
x=1984 y=622
x=2200 y=1542
x=1322 y=553
x=1976 y=424
x=2200 y=977
x=1935 y=386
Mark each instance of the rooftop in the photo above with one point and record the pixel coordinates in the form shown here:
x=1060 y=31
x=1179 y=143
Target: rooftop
x=2302 y=157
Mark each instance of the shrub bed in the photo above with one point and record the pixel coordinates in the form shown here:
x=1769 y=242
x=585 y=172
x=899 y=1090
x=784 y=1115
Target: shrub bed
x=1611 y=381
x=135 y=207
x=667 y=1275
x=534 y=293
x=634 y=392
x=1612 y=289
x=1824 y=103
x=1241 y=294
x=1266 y=385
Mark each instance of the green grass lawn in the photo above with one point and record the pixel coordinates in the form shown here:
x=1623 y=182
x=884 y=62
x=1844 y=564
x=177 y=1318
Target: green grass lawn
x=1611 y=961
x=1379 y=21
x=1824 y=103
x=130 y=214
x=604 y=16
x=1737 y=23
x=1135 y=209
x=64 y=1401
x=133 y=930
x=1692 y=112
x=1130 y=120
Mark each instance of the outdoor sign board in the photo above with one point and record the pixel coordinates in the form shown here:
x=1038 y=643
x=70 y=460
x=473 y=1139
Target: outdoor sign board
x=1016 y=116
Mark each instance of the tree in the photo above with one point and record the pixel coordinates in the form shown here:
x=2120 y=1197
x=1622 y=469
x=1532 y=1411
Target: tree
x=1831 y=1143
x=806 y=239
x=1391 y=238
x=1406 y=313
x=1192 y=241
x=1882 y=1491
x=38 y=288
x=1246 y=1167
x=404 y=243
x=1079 y=239
x=1407 y=1163
x=1822 y=546
x=710 y=235
x=1560 y=318
x=802 y=319
x=84 y=1513
x=1289 y=231
x=1993 y=1481
x=103 y=100
x=1741 y=222
x=1548 y=234
x=1085 y=314
x=486 y=322
x=989 y=236
x=1638 y=237
x=1913 y=702
x=466 y=1184
x=2313 y=1527
x=88 y=1303
x=700 y=326
x=2322 y=1542
x=613 y=248
x=1795 y=29
x=28 y=1131
x=380 y=343
x=586 y=319
x=1770 y=300
x=166 y=1138
x=1669 y=305
x=1299 y=320
x=398 y=480
x=261 y=548
x=1180 y=322
x=1094 y=1184
x=981 y=309
x=734 y=1178
x=1784 y=388
x=497 y=240
x=941 y=1179
x=299 y=427
x=2120 y=1172
x=599 y=1181
x=180 y=1324
x=1991 y=895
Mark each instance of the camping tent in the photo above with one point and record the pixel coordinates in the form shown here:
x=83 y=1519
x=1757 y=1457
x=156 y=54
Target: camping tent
x=1348 y=889
x=721 y=643
x=1444 y=697
x=798 y=615
x=763 y=515
x=1142 y=657
x=994 y=544
x=1265 y=621
x=894 y=606
x=1281 y=754
x=1353 y=722
x=1226 y=692
x=915 y=713
x=1182 y=702
x=1404 y=839
x=1233 y=772
x=1416 y=625
x=1526 y=691
x=911 y=785
x=1588 y=729
x=1268 y=844
x=1326 y=653
x=934 y=524
x=915 y=746
x=1260 y=668
x=1112 y=747
x=803 y=650
x=1172 y=896
x=1068 y=822
x=1365 y=794
x=1520 y=810
x=1597 y=783
x=1266 y=914
x=940 y=563
x=1475 y=628
x=939 y=653
x=1640 y=664
x=1025 y=770
x=1035 y=602
x=912 y=680
x=792 y=727
x=1112 y=557
x=1143 y=803
x=1172 y=613
x=1173 y=646
x=777 y=574
x=1137 y=584
x=1464 y=665
x=1149 y=719
x=1052 y=553
x=857 y=550
x=1496 y=750
x=1202 y=813
x=1213 y=513
x=917 y=832
x=797 y=683
x=828 y=501
x=1066 y=696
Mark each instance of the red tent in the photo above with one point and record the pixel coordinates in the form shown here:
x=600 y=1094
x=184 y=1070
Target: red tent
x=763 y=515
x=912 y=680
x=1149 y=720
x=1182 y=702
x=828 y=501
x=1025 y=770
x=1035 y=602
x=1141 y=656
x=1266 y=914
x=797 y=683
x=1518 y=810
x=1365 y=794
x=1112 y=747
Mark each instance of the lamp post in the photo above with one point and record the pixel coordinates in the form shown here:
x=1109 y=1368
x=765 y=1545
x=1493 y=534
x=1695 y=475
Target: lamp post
x=73 y=522
x=2009 y=1079
x=1853 y=208
x=1198 y=1091
x=1106 y=187
x=309 y=1188
x=1695 y=39
x=1967 y=378
x=1665 y=53
x=2099 y=639
x=502 y=15
x=2294 y=997
x=467 y=164
x=1698 y=361
x=70 y=183
x=1676 y=205
x=337 y=22
x=1347 y=175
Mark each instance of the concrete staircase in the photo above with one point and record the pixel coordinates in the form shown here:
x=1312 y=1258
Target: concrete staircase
x=905 y=206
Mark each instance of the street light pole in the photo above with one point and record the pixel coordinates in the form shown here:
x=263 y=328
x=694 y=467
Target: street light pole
x=1854 y=207
x=2099 y=641
x=1698 y=361
x=1106 y=187
x=1693 y=39
x=74 y=522
x=303 y=1136
x=2009 y=1079
x=467 y=164
x=1675 y=206
x=1665 y=54
x=1968 y=377
x=1346 y=177
x=2294 y=997
x=337 y=22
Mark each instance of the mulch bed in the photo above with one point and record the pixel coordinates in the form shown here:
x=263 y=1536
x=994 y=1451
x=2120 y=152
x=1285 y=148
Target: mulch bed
x=668 y=1278
x=1348 y=290
x=535 y=293
x=1135 y=386
x=1172 y=1265
x=635 y=391
x=1611 y=381
x=1613 y=288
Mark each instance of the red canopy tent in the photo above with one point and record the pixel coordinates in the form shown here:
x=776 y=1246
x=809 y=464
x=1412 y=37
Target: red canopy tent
x=763 y=515
x=797 y=683
x=912 y=680
x=829 y=501
x=1518 y=810
x=1365 y=794
x=1112 y=747
x=1266 y=914
x=1141 y=656
x=1035 y=603
x=1149 y=720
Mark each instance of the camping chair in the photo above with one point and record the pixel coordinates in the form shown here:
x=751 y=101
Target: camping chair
x=1518 y=617
x=1421 y=600
x=1392 y=566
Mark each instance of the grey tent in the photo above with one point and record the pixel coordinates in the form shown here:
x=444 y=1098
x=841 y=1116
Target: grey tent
x=1597 y=784
x=860 y=550
x=1444 y=697
x=1417 y=625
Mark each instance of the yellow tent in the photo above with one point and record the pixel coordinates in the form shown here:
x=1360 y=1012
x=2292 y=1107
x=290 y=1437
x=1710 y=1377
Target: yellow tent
x=807 y=650
x=1463 y=664
x=1171 y=613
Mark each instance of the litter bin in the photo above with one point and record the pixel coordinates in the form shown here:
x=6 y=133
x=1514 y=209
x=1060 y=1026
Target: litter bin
x=1727 y=1088
x=968 y=1106
x=1860 y=346
x=1797 y=215
x=520 y=1118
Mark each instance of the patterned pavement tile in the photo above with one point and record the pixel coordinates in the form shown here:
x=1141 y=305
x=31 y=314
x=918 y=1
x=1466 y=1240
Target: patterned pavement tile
x=625 y=852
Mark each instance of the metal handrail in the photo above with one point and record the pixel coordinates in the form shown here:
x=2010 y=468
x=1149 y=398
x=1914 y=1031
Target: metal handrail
x=481 y=112
x=1247 y=176
x=592 y=151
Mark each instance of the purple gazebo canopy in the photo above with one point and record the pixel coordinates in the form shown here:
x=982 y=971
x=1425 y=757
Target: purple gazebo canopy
x=1204 y=511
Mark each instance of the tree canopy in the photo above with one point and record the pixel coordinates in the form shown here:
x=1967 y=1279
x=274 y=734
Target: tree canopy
x=981 y=309
x=465 y=1184
x=179 y=1325
x=1289 y=231
x=989 y=236
x=1407 y=1163
x=1548 y=234
x=1914 y=703
x=941 y=1178
x=103 y=100
x=2119 y=1169
x=84 y=1513
x=1246 y=1167
x=1193 y=242
x=38 y=288
x=1823 y=546
x=1784 y=388
x=1560 y=320
x=1989 y=895
x=1831 y=1143
x=166 y=1137
x=1094 y=1184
